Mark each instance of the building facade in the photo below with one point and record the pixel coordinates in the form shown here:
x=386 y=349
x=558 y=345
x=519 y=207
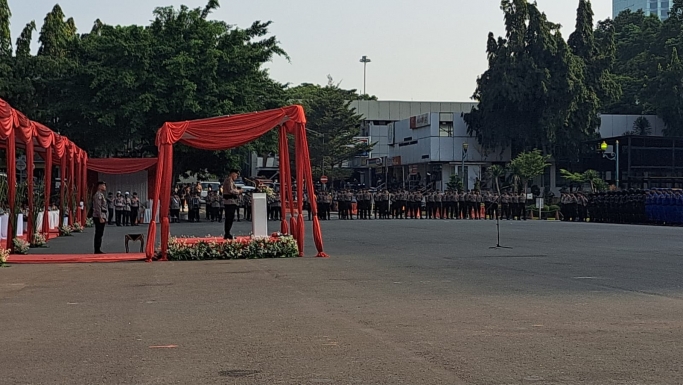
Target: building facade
x=659 y=8
x=421 y=143
x=378 y=116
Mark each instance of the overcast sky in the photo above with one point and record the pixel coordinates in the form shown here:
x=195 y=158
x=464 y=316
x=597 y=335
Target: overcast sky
x=426 y=50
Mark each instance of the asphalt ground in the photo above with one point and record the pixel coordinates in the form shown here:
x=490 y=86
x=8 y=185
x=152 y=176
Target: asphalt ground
x=398 y=302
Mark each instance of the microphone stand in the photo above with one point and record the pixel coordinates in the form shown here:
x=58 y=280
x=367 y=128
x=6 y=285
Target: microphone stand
x=498 y=246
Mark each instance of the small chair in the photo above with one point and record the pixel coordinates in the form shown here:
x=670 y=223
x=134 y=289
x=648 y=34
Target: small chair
x=135 y=237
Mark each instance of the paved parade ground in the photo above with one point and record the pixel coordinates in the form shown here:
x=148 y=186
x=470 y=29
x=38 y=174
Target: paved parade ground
x=399 y=302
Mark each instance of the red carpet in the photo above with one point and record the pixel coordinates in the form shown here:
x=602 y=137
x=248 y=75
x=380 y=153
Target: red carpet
x=75 y=258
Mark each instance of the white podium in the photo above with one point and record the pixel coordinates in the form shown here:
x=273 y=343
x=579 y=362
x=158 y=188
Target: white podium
x=4 y=222
x=259 y=215
x=20 y=225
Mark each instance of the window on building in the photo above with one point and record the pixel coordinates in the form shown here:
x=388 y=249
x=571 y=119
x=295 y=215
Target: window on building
x=445 y=128
x=665 y=4
x=653 y=6
x=665 y=13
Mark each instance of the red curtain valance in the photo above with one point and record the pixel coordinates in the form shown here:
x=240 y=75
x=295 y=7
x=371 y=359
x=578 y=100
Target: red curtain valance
x=7 y=119
x=229 y=131
x=120 y=165
x=45 y=137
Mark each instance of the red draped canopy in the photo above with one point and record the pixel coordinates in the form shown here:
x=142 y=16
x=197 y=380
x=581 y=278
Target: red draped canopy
x=227 y=132
x=121 y=165
x=16 y=128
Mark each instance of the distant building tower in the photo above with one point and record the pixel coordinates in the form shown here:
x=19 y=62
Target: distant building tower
x=660 y=8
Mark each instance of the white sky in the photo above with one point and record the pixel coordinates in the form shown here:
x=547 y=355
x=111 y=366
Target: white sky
x=427 y=50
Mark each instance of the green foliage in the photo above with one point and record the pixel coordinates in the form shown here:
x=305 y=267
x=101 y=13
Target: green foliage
x=111 y=89
x=332 y=124
x=454 y=183
x=648 y=66
x=5 y=34
x=528 y=165
x=641 y=126
x=55 y=34
x=38 y=199
x=667 y=95
x=495 y=172
x=591 y=177
x=539 y=91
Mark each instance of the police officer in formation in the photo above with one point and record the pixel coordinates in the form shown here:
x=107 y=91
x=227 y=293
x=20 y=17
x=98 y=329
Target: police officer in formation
x=324 y=200
x=657 y=206
x=430 y=204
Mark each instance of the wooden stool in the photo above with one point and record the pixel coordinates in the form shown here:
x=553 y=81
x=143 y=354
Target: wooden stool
x=135 y=237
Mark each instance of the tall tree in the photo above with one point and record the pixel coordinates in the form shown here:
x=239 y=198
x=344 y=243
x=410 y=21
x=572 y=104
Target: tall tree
x=526 y=95
x=124 y=82
x=54 y=35
x=24 y=40
x=635 y=36
x=594 y=59
x=667 y=95
x=22 y=90
x=332 y=125
x=5 y=34
x=6 y=60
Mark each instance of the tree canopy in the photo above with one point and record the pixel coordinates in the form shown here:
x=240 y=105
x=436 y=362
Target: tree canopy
x=648 y=66
x=111 y=89
x=541 y=91
x=332 y=125
x=529 y=165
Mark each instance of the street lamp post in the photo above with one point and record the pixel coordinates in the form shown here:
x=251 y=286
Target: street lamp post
x=611 y=156
x=365 y=60
x=464 y=155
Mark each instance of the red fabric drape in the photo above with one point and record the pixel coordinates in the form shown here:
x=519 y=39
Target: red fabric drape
x=24 y=130
x=11 y=182
x=60 y=147
x=284 y=161
x=44 y=136
x=219 y=134
x=29 y=164
x=15 y=126
x=72 y=181
x=84 y=186
x=7 y=119
x=48 y=187
x=62 y=188
x=121 y=165
x=78 y=158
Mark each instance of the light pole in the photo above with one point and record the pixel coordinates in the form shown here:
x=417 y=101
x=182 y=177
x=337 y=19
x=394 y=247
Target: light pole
x=611 y=156
x=365 y=60
x=464 y=155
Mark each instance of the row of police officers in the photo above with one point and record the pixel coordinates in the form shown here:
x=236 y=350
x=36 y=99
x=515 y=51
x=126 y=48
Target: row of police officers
x=403 y=204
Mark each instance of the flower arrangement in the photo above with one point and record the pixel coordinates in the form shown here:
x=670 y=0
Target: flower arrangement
x=77 y=227
x=4 y=255
x=267 y=190
x=20 y=246
x=39 y=240
x=245 y=248
x=89 y=222
x=65 y=230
